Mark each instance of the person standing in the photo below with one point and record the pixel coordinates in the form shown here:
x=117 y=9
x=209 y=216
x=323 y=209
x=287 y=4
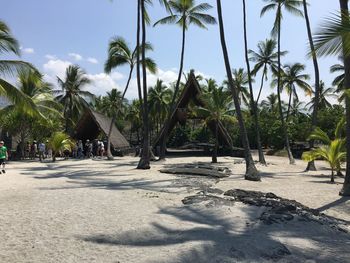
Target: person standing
x=3 y=156
x=42 y=149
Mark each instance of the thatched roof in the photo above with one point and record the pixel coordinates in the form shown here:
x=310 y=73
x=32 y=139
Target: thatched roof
x=192 y=92
x=93 y=123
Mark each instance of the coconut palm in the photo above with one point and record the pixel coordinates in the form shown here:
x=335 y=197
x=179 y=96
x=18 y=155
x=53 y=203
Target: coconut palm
x=240 y=82
x=325 y=93
x=251 y=171
x=293 y=78
x=333 y=38
x=159 y=99
x=134 y=117
x=183 y=13
x=112 y=105
x=72 y=95
x=119 y=54
x=58 y=143
x=216 y=109
x=311 y=165
x=292 y=7
x=8 y=45
x=265 y=59
x=338 y=81
x=271 y=103
x=334 y=154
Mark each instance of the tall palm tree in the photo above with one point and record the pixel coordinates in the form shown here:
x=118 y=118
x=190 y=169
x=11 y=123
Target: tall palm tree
x=253 y=105
x=265 y=59
x=72 y=95
x=159 y=98
x=325 y=93
x=112 y=105
x=251 y=171
x=216 y=109
x=334 y=39
x=311 y=165
x=293 y=78
x=240 y=82
x=183 y=13
x=292 y=7
x=119 y=54
x=8 y=45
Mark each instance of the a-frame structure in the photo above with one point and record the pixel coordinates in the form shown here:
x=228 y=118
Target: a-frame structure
x=192 y=92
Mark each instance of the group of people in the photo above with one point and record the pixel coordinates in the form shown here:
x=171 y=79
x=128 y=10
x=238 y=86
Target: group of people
x=89 y=149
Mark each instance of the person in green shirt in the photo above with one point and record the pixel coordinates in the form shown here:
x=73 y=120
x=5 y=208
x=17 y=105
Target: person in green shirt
x=3 y=156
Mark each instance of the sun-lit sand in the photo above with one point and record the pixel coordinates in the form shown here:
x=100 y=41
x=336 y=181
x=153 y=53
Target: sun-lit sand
x=107 y=211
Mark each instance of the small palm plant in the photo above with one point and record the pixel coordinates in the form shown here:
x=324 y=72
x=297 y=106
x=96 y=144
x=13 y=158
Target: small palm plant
x=217 y=107
x=333 y=151
x=60 y=142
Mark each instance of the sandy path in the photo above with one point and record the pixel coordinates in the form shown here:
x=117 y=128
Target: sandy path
x=100 y=211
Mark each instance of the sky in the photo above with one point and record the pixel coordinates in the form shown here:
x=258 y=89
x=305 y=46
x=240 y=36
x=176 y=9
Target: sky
x=56 y=33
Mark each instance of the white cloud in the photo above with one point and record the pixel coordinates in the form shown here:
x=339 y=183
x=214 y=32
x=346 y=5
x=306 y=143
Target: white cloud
x=92 y=60
x=27 y=50
x=50 y=57
x=55 y=67
x=101 y=83
x=75 y=56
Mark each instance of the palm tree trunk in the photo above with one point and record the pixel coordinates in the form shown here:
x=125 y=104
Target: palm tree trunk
x=251 y=171
x=109 y=153
x=284 y=127
x=311 y=165
x=332 y=176
x=345 y=191
x=128 y=82
x=172 y=104
x=215 y=151
x=289 y=105
x=144 y=162
x=261 y=87
x=252 y=103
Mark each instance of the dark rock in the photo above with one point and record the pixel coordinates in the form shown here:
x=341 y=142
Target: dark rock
x=236 y=254
x=276 y=253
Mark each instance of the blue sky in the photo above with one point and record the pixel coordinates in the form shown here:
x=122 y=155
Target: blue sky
x=55 y=33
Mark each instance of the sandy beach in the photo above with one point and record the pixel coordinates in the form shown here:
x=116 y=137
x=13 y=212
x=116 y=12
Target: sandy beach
x=107 y=211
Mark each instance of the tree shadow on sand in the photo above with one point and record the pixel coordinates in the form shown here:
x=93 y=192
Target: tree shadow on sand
x=213 y=234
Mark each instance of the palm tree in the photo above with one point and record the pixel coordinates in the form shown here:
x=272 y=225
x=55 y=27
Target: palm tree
x=159 y=98
x=271 y=103
x=334 y=154
x=293 y=78
x=183 y=13
x=58 y=143
x=8 y=45
x=253 y=105
x=311 y=165
x=72 y=95
x=251 y=171
x=119 y=54
x=292 y=7
x=240 y=82
x=333 y=38
x=265 y=59
x=338 y=81
x=134 y=117
x=112 y=105
x=325 y=93
x=216 y=109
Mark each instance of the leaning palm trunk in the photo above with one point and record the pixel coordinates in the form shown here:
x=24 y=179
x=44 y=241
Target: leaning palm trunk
x=144 y=162
x=176 y=91
x=284 y=126
x=311 y=165
x=345 y=18
x=109 y=153
x=252 y=103
x=251 y=171
x=289 y=105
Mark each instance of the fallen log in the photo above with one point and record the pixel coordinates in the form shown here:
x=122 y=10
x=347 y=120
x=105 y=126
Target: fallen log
x=201 y=170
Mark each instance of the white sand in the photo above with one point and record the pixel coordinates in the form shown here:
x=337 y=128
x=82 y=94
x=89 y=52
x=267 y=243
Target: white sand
x=101 y=211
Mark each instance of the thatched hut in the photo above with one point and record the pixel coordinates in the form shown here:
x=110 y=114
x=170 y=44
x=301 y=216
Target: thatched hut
x=192 y=92
x=92 y=124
